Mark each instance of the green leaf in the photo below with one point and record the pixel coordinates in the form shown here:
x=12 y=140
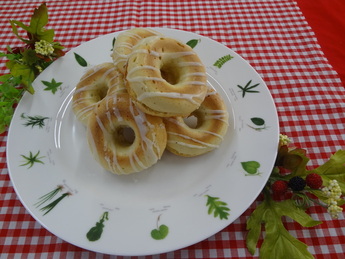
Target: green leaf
x=192 y=43
x=29 y=57
x=258 y=121
x=39 y=19
x=81 y=61
x=278 y=243
x=51 y=86
x=333 y=169
x=14 y=25
x=217 y=207
x=251 y=167
x=254 y=227
x=296 y=161
x=160 y=233
x=23 y=71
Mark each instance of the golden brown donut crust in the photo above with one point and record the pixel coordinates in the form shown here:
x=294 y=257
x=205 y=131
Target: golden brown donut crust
x=107 y=141
x=125 y=42
x=93 y=86
x=165 y=77
x=212 y=124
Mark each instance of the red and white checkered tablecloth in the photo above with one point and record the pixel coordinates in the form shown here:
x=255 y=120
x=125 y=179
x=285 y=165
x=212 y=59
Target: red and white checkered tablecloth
x=277 y=41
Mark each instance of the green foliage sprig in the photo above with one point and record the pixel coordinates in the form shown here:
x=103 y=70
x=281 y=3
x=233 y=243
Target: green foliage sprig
x=290 y=190
x=27 y=61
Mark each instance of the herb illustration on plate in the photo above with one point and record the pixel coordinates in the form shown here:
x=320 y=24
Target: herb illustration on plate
x=222 y=60
x=52 y=86
x=33 y=121
x=50 y=195
x=80 y=60
x=31 y=159
x=248 y=88
x=161 y=231
x=217 y=207
x=251 y=167
x=96 y=231
x=113 y=44
x=192 y=43
x=259 y=124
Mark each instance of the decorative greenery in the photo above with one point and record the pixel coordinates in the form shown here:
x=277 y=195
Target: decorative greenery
x=52 y=205
x=25 y=62
x=192 y=43
x=251 y=167
x=34 y=120
x=51 y=86
x=160 y=232
x=323 y=186
x=95 y=232
x=81 y=61
x=217 y=207
x=222 y=60
x=32 y=159
x=248 y=88
x=49 y=196
x=259 y=123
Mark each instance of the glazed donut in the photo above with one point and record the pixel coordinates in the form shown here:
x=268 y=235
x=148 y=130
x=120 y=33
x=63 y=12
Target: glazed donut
x=125 y=42
x=93 y=86
x=122 y=138
x=206 y=135
x=165 y=77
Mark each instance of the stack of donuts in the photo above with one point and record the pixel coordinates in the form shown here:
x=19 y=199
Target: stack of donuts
x=137 y=106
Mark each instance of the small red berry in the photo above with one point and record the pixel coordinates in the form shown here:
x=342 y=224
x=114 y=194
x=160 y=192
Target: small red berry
x=279 y=187
x=314 y=181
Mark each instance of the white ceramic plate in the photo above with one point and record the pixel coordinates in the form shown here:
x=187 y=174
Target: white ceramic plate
x=169 y=206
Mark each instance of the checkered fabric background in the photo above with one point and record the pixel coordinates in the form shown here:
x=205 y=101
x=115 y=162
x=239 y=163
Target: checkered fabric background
x=276 y=40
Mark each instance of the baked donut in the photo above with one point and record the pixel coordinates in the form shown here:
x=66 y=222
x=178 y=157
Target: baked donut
x=124 y=43
x=122 y=138
x=165 y=77
x=206 y=135
x=93 y=86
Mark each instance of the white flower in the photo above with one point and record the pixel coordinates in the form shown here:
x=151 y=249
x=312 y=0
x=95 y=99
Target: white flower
x=333 y=193
x=44 y=48
x=284 y=140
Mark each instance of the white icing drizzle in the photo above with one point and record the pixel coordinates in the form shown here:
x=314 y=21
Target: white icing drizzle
x=84 y=104
x=150 y=147
x=204 y=144
x=123 y=43
x=217 y=115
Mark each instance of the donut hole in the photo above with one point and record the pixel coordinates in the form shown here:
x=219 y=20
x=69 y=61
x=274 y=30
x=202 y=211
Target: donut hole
x=170 y=73
x=124 y=136
x=99 y=93
x=194 y=121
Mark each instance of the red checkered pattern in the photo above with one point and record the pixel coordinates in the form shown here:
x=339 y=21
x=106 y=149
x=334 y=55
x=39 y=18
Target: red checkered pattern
x=276 y=40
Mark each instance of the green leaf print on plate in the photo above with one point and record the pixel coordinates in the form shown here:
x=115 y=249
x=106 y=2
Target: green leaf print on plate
x=95 y=232
x=31 y=159
x=50 y=195
x=222 y=60
x=113 y=44
x=51 y=86
x=192 y=43
x=218 y=208
x=251 y=167
x=81 y=61
x=259 y=123
x=160 y=232
x=33 y=121
x=248 y=88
